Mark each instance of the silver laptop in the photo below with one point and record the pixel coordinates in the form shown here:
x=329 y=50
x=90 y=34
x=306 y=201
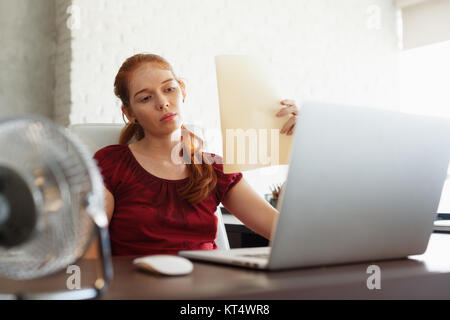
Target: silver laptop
x=363 y=185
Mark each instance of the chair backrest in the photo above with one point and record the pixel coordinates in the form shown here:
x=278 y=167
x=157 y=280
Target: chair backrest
x=99 y=135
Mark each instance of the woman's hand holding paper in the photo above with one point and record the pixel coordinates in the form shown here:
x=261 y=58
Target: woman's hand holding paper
x=290 y=108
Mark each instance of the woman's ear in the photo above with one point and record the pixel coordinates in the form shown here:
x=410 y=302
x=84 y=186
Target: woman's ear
x=128 y=113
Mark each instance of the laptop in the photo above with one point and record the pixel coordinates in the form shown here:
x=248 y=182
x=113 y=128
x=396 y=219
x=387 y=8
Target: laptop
x=363 y=185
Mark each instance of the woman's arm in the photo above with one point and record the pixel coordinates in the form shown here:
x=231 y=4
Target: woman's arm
x=92 y=252
x=255 y=212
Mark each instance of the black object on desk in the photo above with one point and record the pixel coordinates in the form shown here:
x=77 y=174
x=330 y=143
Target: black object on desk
x=239 y=236
x=443 y=216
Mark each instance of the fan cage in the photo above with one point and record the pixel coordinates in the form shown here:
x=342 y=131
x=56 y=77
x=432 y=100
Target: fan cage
x=67 y=188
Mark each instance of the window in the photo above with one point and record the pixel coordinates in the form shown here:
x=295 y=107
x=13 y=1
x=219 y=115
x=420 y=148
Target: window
x=424 y=67
x=425 y=80
x=424 y=75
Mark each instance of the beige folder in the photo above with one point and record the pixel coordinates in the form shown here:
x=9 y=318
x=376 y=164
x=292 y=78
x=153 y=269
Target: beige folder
x=249 y=100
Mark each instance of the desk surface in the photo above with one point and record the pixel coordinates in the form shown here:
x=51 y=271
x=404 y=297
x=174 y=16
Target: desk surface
x=424 y=276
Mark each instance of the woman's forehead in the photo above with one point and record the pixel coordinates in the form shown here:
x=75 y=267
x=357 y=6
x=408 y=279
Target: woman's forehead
x=148 y=75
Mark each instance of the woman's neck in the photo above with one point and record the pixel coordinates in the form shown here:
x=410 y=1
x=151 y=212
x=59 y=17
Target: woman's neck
x=158 y=147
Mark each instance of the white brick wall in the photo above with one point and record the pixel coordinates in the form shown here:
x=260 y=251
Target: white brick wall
x=336 y=51
x=322 y=49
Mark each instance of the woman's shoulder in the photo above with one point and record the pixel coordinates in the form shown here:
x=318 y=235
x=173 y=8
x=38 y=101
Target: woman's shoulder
x=225 y=181
x=115 y=150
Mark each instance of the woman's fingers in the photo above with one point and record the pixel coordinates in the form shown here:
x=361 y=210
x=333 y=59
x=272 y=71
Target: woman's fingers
x=291 y=131
x=288 y=102
x=291 y=108
x=287 y=110
x=289 y=125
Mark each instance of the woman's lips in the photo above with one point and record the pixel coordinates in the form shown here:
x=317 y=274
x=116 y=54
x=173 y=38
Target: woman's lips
x=168 y=117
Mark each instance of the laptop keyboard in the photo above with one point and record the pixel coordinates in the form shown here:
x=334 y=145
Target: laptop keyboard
x=256 y=255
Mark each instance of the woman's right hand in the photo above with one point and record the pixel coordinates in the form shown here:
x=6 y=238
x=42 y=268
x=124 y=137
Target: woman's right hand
x=291 y=108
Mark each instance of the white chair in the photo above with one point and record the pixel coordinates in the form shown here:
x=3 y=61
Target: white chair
x=99 y=135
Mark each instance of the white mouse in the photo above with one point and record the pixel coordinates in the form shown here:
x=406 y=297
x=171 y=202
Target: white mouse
x=169 y=265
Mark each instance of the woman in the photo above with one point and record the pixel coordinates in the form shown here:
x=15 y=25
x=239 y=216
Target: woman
x=154 y=204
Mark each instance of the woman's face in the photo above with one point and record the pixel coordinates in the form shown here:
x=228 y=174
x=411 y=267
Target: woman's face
x=154 y=94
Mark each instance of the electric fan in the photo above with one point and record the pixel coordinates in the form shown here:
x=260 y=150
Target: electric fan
x=51 y=205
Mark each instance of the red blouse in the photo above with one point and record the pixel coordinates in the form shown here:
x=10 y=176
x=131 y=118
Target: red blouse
x=149 y=216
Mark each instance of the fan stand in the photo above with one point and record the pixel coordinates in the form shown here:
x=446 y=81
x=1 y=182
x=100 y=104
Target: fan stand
x=99 y=287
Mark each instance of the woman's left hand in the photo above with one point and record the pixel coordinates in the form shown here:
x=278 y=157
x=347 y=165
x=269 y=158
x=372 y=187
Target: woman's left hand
x=291 y=108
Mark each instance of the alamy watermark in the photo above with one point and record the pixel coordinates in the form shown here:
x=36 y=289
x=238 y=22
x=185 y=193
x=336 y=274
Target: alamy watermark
x=373 y=17
x=257 y=146
x=251 y=146
x=74 y=280
x=374 y=280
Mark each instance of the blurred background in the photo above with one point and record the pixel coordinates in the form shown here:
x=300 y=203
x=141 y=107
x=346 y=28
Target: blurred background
x=59 y=57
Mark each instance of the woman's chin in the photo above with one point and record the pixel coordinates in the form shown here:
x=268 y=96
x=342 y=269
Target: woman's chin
x=172 y=126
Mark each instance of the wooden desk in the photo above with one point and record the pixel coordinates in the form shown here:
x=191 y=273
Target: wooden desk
x=425 y=276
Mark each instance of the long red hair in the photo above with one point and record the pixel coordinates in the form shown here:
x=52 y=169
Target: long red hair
x=202 y=177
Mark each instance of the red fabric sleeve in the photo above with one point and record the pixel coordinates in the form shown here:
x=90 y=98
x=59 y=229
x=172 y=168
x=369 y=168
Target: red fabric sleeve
x=106 y=162
x=225 y=181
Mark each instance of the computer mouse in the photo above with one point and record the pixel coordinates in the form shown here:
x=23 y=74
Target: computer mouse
x=168 y=265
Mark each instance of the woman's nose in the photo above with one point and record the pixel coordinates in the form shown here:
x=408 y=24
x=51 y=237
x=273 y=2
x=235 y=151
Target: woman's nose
x=161 y=106
x=162 y=102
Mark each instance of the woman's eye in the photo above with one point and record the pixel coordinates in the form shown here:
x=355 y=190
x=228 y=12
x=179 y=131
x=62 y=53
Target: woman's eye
x=171 y=89
x=146 y=99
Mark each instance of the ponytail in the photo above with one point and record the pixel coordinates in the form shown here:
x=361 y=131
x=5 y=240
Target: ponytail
x=130 y=131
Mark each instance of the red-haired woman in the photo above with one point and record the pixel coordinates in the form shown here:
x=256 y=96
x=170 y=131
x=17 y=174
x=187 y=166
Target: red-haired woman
x=156 y=205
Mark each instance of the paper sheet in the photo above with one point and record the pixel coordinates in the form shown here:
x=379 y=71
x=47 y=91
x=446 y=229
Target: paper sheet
x=249 y=100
